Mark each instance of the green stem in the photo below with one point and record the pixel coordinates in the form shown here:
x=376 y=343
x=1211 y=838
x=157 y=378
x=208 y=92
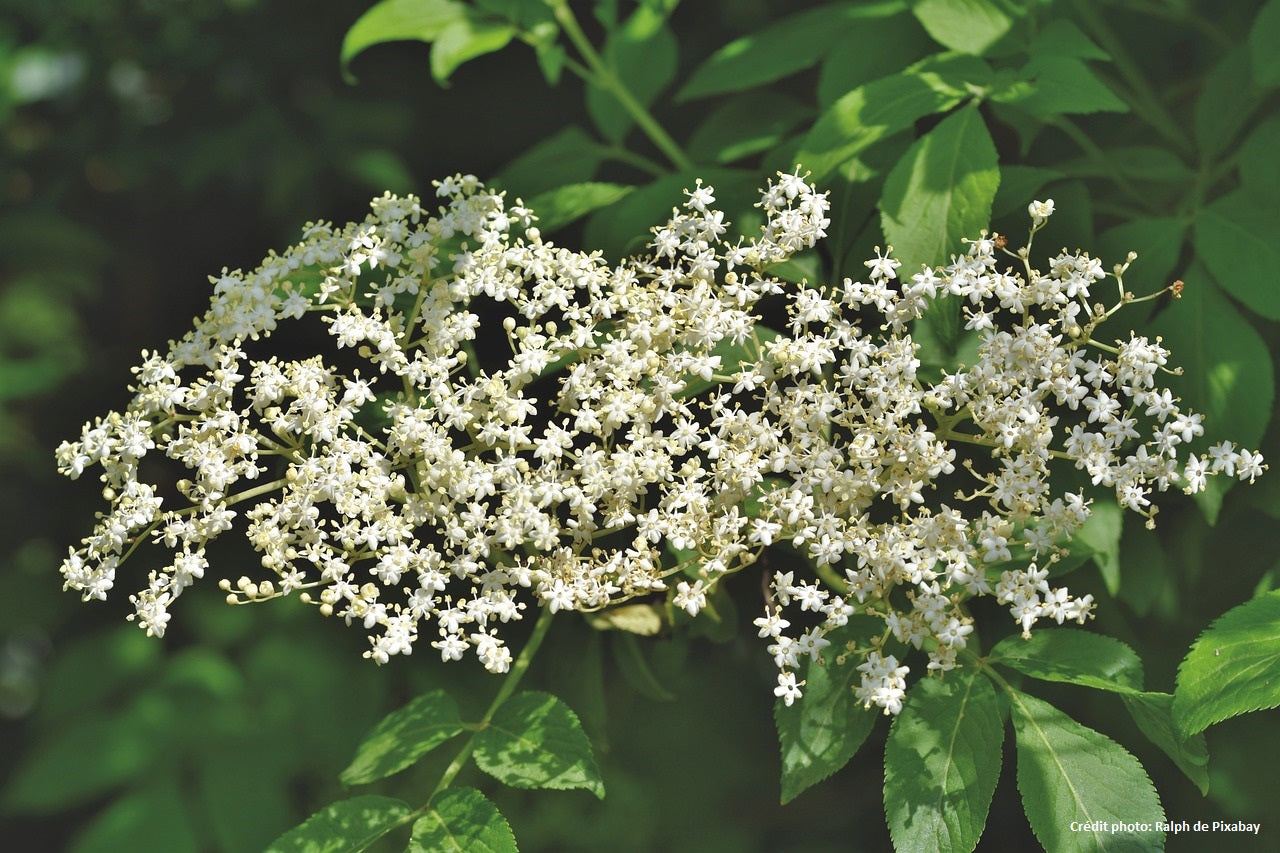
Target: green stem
x=604 y=77
x=1142 y=97
x=518 y=669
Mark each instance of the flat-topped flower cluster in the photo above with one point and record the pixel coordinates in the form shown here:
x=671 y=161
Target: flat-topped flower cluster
x=639 y=432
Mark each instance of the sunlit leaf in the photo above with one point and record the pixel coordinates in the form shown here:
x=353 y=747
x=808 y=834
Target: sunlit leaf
x=1076 y=782
x=782 y=48
x=462 y=820
x=1232 y=668
x=820 y=732
x=942 y=761
x=404 y=736
x=941 y=191
x=347 y=826
x=400 y=20
x=536 y=741
x=1073 y=656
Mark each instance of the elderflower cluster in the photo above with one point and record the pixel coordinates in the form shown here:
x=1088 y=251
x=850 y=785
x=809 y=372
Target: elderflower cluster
x=641 y=433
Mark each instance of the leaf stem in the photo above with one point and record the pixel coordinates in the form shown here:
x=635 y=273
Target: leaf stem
x=1142 y=97
x=603 y=76
x=518 y=669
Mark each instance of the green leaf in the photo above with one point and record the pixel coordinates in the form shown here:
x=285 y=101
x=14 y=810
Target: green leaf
x=536 y=741
x=642 y=55
x=941 y=763
x=876 y=47
x=1074 y=657
x=822 y=730
x=404 y=736
x=1227 y=99
x=462 y=820
x=1072 y=777
x=1263 y=36
x=557 y=208
x=1227 y=373
x=568 y=157
x=969 y=26
x=784 y=47
x=1100 y=536
x=1233 y=667
x=1153 y=714
x=399 y=20
x=1259 y=166
x=941 y=191
x=346 y=826
x=745 y=125
x=1063 y=39
x=1064 y=86
x=1239 y=240
x=464 y=40
x=866 y=115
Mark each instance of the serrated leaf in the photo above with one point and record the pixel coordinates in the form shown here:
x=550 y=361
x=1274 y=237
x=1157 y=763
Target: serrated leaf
x=866 y=115
x=1238 y=238
x=536 y=741
x=1232 y=668
x=1072 y=656
x=462 y=820
x=1076 y=782
x=464 y=40
x=940 y=191
x=347 y=826
x=1153 y=714
x=1263 y=35
x=404 y=736
x=557 y=208
x=969 y=26
x=821 y=731
x=399 y=20
x=780 y=49
x=941 y=763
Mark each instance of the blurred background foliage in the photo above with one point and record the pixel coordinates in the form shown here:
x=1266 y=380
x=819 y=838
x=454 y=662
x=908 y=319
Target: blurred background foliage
x=145 y=144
